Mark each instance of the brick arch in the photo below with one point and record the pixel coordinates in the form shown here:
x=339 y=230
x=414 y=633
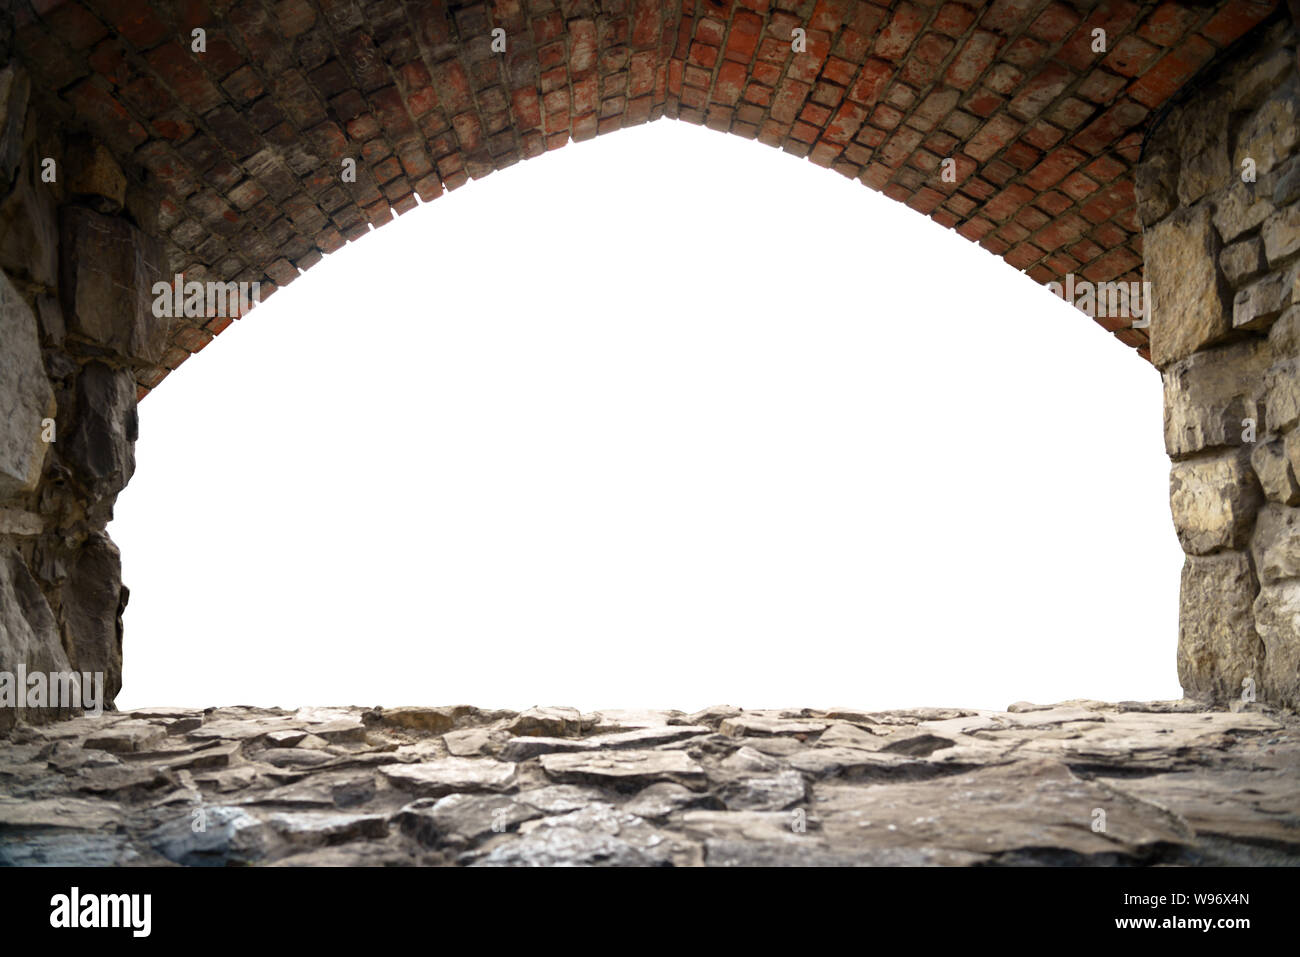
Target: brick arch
x=232 y=155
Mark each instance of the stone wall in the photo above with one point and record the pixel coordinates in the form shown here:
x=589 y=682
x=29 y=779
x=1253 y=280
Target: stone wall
x=74 y=329
x=1219 y=199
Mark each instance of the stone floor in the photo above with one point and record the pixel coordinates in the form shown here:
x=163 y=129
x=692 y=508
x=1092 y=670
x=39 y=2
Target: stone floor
x=1082 y=782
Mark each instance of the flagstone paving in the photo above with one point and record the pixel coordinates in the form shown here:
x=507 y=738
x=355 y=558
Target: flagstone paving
x=1083 y=782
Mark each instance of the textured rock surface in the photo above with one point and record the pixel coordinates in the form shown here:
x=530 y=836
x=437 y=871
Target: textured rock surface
x=1191 y=298
x=1218 y=645
x=1078 y=783
x=106 y=274
x=101 y=448
x=1210 y=394
x=1277 y=618
x=28 y=632
x=25 y=395
x=1214 y=502
x=1275 y=474
x=93 y=600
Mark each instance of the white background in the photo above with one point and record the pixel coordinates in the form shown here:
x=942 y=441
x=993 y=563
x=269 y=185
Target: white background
x=666 y=419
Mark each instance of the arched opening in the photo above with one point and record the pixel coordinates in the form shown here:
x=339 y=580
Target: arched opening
x=218 y=145
x=596 y=431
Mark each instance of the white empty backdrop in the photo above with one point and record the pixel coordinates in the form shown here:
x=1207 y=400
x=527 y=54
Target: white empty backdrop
x=666 y=419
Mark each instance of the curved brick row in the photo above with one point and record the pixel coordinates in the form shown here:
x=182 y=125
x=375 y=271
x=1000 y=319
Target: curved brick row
x=238 y=149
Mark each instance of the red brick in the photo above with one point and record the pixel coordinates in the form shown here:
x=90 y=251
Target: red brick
x=133 y=19
x=923 y=64
x=975 y=229
x=75 y=26
x=1235 y=19
x=703 y=55
x=840 y=71
x=183 y=74
x=730 y=82
x=1114 y=17
x=846 y=122
x=1055 y=23
x=871 y=81
x=1040 y=91
x=1007 y=16
x=852 y=45
x=1131 y=55
x=742 y=41
x=1107 y=128
x=647 y=19
x=1004 y=204
x=1054 y=168
x=1023 y=255
x=1167 y=23
x=1078 y=186
x=995 y=134
x=1065 y=229
x=953 y=19
x=973 y=59
x=1173 y=70
x=106 y=116
x=893 y=41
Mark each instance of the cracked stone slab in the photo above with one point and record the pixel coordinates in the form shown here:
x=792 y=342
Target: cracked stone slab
x=60 y=812
x=523 y=748
x=598 y=834
x=625 y=769
x=1259 y=806
x=450 y=775
x=1022 y=807
x=459 y=819
x=745 y=726
x=316 y=828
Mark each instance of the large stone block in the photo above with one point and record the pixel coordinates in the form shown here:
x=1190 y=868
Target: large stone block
x=1192 y=302
x=1262 y=79
x=1209 y=395
x=1242 y=260
x=1214 y=502
x=1286 y=183
x=1277 y=619
x=1282 y=395
x=1256 y=306
x=29 y=234
x=94 y=176
x=1203 y=145
x=1275 y=545
x=15 y=88
x=107 y=272
x=101 y=446
x=93 y=599
x=1241 y=209
x=1269 y=135
x=1284 y=335
x=1281 y=234
x=1276 y=477
x=29 y=635
x=25 y=395
x=1156 y=185
x=1218 y=646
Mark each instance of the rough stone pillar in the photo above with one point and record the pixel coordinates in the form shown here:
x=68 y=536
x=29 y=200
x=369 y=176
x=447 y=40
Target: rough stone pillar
x=1219 y=198
x=75 y=321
